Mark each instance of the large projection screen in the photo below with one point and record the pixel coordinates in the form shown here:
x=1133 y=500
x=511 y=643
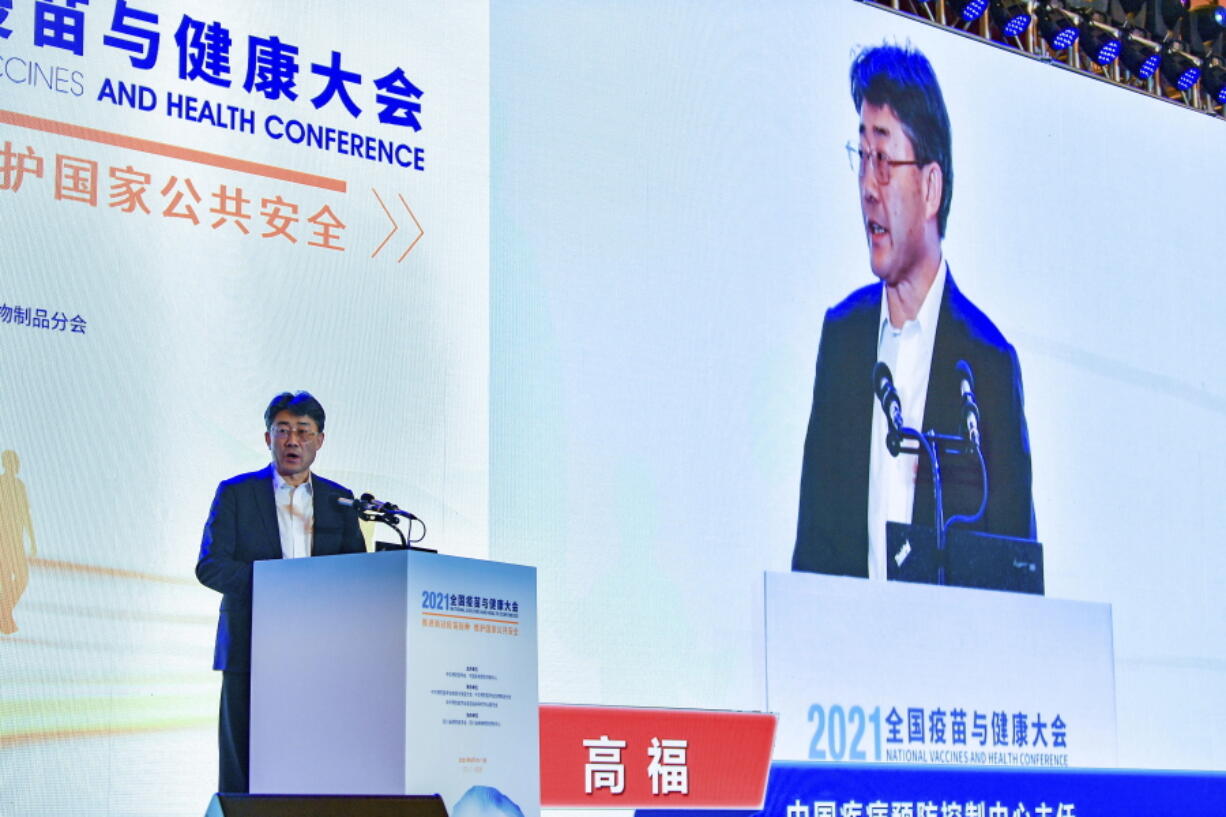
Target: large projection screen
x=673 y=212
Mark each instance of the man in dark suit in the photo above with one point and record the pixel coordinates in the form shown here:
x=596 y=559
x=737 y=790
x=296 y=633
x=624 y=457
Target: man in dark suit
x=917 y=321
x=282 y=511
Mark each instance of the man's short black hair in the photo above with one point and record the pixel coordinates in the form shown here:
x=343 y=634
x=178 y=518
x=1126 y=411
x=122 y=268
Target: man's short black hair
x=299 y=404
x=902 y=77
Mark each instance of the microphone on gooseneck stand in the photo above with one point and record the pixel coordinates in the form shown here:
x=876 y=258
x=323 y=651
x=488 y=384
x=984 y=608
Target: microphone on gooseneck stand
x=362 y=505
x=375 y=506
x=970 y=431
x=375 y=510
x=887 y=395
x=366 y=503
x=970 y=409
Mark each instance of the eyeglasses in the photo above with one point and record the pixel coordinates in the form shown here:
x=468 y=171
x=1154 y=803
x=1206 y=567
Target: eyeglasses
x=304 y=435
x=860 y=159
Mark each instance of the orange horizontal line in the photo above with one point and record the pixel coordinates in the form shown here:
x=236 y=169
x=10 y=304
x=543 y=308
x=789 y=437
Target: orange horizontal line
x=11 y=741
x=473 y=618
x=172 y=151
x=113 y=572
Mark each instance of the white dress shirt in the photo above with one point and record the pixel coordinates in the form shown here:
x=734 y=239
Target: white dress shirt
x=891 y=480
x=295 y=516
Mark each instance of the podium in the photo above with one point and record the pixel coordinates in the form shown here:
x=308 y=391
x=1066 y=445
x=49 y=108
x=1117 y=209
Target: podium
x=402 y=672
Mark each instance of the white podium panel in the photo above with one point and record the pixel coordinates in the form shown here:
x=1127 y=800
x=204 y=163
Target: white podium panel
x=862 y=671
x=395 y=673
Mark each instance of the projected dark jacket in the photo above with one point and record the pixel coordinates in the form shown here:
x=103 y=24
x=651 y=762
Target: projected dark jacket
x=832 y=525
x=242 y=529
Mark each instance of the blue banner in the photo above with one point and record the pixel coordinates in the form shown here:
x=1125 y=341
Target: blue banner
x=868 y=790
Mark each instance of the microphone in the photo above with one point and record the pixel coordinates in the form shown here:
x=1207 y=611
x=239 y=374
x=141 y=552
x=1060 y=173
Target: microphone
x=366 y=503
x=970 y=409
x=376 y=506
x=887 y=395
x=350 y=502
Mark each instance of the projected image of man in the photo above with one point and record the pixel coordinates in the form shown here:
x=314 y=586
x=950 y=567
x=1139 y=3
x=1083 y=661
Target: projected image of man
x=283 y=511
x=916 y=320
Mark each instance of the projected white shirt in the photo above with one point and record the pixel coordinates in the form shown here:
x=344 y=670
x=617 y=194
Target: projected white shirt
x=295 y=516
x=891 y=480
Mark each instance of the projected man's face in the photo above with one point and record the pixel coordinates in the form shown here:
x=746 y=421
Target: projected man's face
x=898 y=198
x=293 y=440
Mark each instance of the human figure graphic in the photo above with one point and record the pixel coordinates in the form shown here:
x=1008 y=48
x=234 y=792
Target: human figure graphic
x=15 y=527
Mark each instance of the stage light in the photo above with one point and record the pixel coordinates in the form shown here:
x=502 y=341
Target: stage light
x=1056 y=28
x=1099 y=44
x=1010 y=16
x=1141 y=59
x=1179 y=70
x=969 y=10
x=1210 y=21
x=1213 y=80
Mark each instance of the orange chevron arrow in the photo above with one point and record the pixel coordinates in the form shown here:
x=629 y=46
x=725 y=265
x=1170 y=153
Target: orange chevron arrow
x=420 y=231
x=395 y=226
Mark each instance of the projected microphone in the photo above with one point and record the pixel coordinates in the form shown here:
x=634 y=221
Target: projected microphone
x=970 y=409
x=883 y=387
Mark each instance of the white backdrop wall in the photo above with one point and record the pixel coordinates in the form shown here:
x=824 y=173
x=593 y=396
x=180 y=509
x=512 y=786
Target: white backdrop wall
x=108 y=703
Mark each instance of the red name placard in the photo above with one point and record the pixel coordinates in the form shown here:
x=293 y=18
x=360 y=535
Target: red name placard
x=615 y=757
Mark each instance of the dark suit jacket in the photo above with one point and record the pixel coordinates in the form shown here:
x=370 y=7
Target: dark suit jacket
x=242 y=529
x=832 y=526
